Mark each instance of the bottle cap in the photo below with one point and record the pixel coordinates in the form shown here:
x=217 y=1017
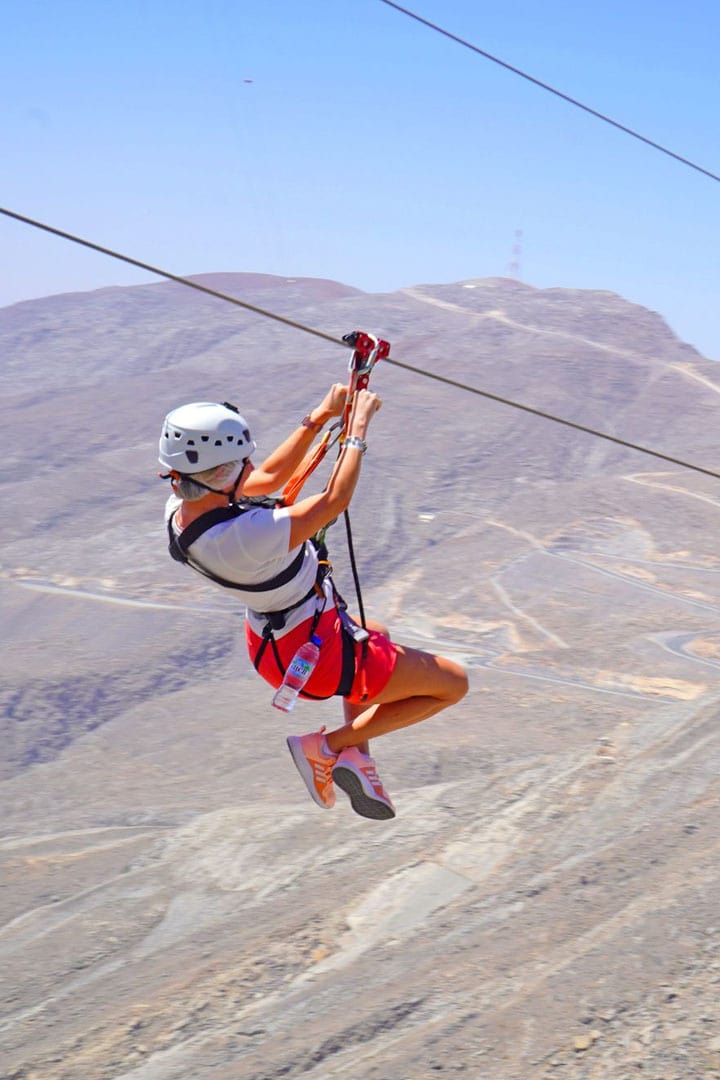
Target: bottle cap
x=315 y=639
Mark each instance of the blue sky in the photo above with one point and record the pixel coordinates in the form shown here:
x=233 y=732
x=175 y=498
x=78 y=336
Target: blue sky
x=365 y=148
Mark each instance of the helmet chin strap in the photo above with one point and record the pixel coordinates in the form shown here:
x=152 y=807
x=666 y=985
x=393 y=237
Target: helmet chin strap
x=173 y=476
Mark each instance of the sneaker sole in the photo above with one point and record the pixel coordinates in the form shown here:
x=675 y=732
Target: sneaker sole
x=304 y=767
x=360 y=801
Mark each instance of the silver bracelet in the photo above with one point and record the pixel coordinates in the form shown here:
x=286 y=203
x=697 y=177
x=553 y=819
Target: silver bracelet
x=356 y=443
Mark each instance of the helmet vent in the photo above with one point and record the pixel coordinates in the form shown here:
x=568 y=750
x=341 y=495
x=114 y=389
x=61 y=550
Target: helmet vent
x=203 y=435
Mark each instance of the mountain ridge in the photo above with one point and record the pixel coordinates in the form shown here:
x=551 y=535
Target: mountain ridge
x=172 y=903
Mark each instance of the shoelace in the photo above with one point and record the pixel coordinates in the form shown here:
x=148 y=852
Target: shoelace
x=322 y=767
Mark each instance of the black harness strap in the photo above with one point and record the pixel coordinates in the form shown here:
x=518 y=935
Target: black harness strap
x=347 y=672
x=178 y=546
x=347 y=668
x=274 y=620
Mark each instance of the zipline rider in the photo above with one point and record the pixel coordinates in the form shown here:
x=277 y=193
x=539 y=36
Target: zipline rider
x=222 y=523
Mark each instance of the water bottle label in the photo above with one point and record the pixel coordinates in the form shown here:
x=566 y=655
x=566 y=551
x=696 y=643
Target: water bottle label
x=300 y=668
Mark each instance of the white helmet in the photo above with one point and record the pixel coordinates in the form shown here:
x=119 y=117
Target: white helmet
x=202 y=435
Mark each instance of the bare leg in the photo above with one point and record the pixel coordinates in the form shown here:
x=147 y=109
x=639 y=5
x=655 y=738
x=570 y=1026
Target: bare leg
x=420 y=686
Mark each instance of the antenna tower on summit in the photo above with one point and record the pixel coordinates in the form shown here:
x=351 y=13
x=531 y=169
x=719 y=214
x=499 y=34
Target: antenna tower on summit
x=513 y=267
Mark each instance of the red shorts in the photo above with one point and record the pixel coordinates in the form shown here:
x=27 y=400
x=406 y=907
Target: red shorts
x=371 y=677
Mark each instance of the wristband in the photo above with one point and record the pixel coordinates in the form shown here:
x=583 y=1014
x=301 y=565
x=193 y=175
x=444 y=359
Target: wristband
x=312 y=424
x=356 y=443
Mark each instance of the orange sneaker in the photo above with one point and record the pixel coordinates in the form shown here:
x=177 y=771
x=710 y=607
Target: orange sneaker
x=357 y=776
x=314 y=766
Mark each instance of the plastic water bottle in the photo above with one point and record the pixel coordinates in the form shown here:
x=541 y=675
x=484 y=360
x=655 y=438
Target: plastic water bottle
x=297 y=674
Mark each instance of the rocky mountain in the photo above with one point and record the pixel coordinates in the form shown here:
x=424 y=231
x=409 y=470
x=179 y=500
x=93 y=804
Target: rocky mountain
x=172 y=905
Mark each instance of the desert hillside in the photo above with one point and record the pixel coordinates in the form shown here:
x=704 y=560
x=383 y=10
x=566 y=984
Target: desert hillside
x=172 y=904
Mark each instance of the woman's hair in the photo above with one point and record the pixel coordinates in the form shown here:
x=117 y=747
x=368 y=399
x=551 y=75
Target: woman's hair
x=218 y=478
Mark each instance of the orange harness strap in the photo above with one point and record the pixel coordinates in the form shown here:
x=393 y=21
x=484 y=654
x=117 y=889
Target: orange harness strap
x=307 y=466
x=366 y=351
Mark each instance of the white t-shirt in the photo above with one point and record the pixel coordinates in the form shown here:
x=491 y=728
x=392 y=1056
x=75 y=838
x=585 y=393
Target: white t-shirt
x=253 y=548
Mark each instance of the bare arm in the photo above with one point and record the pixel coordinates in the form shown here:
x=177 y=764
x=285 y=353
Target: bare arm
x=310 y=514
x=277 y=469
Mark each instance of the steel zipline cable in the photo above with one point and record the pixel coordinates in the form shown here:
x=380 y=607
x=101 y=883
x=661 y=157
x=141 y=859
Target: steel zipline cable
x=166 y=274
x=467 y=387
x=551 y=89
